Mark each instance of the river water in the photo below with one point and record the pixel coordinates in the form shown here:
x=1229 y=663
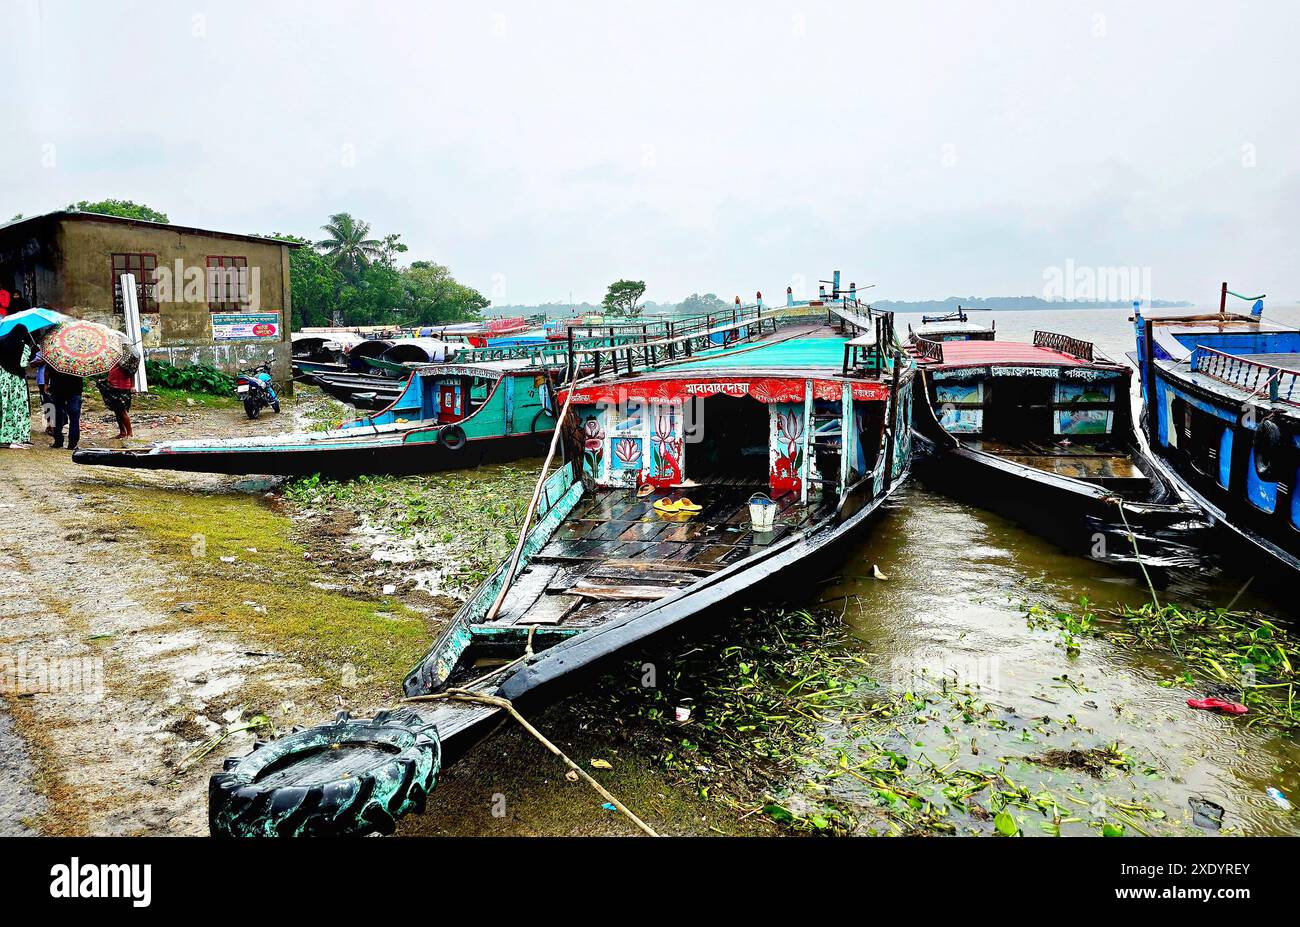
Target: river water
x=959 y=583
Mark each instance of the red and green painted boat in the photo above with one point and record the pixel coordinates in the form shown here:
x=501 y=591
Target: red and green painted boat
x=787 y=442
x=447 y=416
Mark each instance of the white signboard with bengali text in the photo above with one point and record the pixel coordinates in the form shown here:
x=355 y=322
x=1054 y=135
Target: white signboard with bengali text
x=234 y=326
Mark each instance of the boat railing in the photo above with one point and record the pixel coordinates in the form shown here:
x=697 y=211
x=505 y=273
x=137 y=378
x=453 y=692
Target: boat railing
x=682 y=339
x=930 y=350
x=1065 y=344
x=1249 y=375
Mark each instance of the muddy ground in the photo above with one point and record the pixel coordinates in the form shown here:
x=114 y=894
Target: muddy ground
x=146 y=614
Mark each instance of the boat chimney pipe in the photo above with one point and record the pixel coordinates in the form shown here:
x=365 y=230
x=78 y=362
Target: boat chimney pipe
x=853 y=292
x=835 y=289
x=759 y=297
x=1223 y=298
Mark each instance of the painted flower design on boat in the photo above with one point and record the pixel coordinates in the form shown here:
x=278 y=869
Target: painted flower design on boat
x=593 y=444
x=665 y=449
x=787 y=450
x=627 y=453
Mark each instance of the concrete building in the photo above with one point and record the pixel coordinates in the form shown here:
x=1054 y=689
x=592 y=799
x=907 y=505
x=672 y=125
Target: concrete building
x=205 y=297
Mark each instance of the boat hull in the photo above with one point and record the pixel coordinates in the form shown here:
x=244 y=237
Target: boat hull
x=386 y=459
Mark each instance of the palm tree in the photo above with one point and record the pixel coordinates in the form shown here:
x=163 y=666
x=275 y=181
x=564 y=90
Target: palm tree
x=348 y=247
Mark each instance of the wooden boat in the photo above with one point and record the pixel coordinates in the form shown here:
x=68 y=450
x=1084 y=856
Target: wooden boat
x=1043 y=432
x=325 y=352
x=808 y=406
x=447 y=416
x=1222 y=416
x=952 y=326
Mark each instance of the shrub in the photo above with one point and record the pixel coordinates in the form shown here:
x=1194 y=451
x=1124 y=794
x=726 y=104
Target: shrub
x=198 y=378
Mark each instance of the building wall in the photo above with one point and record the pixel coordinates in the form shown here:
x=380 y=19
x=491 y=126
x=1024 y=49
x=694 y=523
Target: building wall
x=180 y=332
x=77 y=277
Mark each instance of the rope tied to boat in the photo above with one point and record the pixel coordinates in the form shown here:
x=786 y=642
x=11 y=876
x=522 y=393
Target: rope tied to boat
x=1150 y=585
x=465 y=695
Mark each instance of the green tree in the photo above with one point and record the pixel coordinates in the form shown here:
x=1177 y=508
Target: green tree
x=315 y=284
x=434 y=297
x=349 y=247
x=124 y=208
x=695 y=304
x=624 y=298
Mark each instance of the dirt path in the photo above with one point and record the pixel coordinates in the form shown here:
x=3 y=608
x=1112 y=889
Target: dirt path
x=109 y=690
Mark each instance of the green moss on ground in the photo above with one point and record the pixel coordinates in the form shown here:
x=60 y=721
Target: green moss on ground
x=266 y=590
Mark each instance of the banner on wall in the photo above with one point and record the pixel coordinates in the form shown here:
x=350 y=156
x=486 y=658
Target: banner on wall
x=240 y=326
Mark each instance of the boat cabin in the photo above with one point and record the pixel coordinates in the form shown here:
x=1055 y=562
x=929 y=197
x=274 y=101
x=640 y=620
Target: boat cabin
x=1051 y=405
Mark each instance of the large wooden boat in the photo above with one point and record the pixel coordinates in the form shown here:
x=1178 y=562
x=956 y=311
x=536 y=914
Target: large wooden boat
x=951 y=326
x=447 y=416
x=1222 y=415
x=808 y=407
x=1043 y=432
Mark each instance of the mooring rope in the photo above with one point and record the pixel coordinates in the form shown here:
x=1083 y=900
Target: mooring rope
x=1150 y=585
x=464 y=695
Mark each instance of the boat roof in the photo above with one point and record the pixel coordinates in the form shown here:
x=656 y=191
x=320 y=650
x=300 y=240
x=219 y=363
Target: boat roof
x=985 y=353
x=816 y=350
x=936 y=328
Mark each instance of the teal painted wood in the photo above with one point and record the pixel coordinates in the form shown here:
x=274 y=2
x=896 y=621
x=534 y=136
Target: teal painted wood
x=560 y=487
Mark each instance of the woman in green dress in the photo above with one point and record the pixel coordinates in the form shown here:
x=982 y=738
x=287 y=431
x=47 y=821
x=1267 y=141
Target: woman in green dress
x=15 y=408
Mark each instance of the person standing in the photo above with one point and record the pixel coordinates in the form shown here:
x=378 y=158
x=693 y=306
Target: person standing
x=65 y=390
x=117 y=392
x=47 y=403
x=15 y=408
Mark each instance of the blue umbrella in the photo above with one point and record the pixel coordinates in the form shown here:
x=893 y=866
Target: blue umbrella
x=32 y=319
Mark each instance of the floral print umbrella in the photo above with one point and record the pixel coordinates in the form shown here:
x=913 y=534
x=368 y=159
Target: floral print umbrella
x=82 y=349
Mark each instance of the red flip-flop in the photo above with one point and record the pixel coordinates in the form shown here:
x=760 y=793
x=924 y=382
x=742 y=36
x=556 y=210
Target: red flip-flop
x=1217 y=704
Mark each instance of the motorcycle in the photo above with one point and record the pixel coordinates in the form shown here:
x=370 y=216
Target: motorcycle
x=256 y=390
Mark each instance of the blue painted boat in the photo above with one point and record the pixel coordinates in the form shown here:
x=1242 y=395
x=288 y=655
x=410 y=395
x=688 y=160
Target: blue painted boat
x=1221 y=408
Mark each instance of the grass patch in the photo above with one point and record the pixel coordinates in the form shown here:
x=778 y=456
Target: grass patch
x=466 y=521
x=170 y=399
x=266 y=591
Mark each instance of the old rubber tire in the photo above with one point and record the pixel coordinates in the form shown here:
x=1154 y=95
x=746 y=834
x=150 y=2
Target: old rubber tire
x=452 y=437
x=251 y=408
x=1269 y=449
x=347 y=778
x=542 y=438
x=276 y=406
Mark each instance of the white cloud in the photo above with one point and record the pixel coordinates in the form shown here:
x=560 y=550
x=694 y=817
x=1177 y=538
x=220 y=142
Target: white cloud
x=934 y=148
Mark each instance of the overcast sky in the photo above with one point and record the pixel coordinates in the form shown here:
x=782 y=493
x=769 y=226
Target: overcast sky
x=935 y=149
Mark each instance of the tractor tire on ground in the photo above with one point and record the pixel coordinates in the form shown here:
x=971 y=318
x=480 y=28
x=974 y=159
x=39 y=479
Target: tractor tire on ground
x=347 y=778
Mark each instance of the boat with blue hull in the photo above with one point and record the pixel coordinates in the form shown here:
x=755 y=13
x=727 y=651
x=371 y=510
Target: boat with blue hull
x=1221 y=402
x=447 y=416
x=696 y=480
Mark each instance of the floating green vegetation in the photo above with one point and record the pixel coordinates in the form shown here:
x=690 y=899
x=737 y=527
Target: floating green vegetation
x=1243 y=655
x=785 y=721
x=478 y=513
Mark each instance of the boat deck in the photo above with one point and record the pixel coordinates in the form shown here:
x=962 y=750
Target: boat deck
x=615 y=553
x=1287 y=361
x=1091 y=462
